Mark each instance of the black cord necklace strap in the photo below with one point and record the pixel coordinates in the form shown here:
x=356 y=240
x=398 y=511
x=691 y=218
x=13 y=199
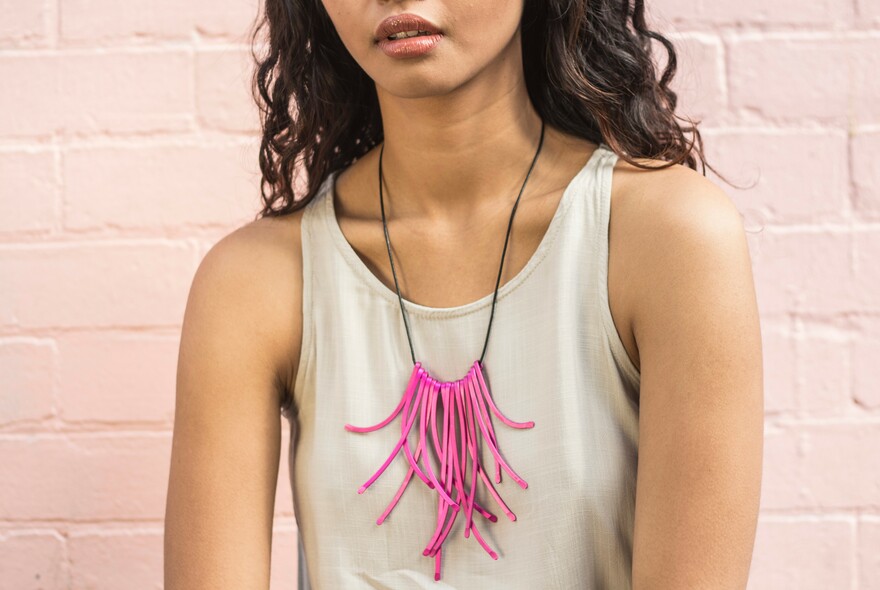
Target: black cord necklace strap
x=503 y=252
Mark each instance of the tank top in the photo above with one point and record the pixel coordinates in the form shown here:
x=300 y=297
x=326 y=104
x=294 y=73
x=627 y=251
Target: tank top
x=554 y=357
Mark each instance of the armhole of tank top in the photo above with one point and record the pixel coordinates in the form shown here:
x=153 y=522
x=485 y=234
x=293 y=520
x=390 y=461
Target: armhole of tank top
x=618 y=350
x=308 y=325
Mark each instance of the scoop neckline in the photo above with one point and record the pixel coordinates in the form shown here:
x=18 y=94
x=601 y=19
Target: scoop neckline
x=547 y=240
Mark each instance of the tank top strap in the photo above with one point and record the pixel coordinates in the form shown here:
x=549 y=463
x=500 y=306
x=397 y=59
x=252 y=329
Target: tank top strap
x=594 y=197
x=598 y=206
x=598 y=216
x=311 y=236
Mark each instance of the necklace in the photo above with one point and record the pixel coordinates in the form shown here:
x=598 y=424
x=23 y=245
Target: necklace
x=464 y=405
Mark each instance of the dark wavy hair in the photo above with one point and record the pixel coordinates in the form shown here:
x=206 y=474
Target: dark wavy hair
x=588 y=67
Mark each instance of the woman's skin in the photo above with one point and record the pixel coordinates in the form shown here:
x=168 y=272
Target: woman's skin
x=460 y=133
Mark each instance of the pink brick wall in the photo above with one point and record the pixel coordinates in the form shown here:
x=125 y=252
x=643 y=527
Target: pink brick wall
x=128 y=147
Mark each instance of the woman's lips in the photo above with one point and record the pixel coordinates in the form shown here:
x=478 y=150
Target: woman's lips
x=409 y=46
x=399 y=23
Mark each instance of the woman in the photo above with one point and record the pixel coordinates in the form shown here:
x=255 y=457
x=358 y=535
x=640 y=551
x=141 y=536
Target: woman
x=474 y=402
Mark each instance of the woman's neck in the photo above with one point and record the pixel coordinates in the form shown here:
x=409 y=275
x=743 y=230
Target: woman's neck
x=442 y=161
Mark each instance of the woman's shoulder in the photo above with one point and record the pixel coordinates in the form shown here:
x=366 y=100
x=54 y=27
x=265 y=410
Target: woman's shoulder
x=660 y=218
x=670 y=209
x=666 y=219
x=667 y=202
x=258 y=257
x=254 y=274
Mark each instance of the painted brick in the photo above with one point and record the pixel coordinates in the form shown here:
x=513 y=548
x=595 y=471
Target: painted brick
x=89 y=477
x=866 y=353
x=866 y=249
x=866 y=174
x=821 y=467
x=160 y=185
x=869 y=11
x=225 y=18
x=87 y=20
x=779 y=480
x=29 y=192
x=779 y=359
x=89 y=92
x=824 y=371
x=95 y=557
x=770 y=167
x=24 y=24
x=706 y=14
x=30 y=107
x=837 y=468
x=32 y=561
x=223 y=95
x=830 y=79
x=117 y=377
x=26 y=392
x=127 y=91
x=869 y=551
x=283 y=492
x=95 y=284
x=804 y=271
x=284 y=555
x=812 y=554
x=865 y=64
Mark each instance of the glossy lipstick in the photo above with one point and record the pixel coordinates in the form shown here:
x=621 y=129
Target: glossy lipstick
x=407 y=46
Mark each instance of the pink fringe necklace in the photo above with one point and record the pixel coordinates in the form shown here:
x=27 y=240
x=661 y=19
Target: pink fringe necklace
x=466 y=404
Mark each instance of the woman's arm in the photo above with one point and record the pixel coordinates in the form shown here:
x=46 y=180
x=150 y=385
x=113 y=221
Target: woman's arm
x=238 y=334
x=695 y=320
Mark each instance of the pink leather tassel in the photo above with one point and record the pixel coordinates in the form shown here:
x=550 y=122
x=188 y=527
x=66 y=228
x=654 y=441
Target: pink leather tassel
x=456 y=443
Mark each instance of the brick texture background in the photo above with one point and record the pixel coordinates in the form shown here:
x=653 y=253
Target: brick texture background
x=128 y=147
